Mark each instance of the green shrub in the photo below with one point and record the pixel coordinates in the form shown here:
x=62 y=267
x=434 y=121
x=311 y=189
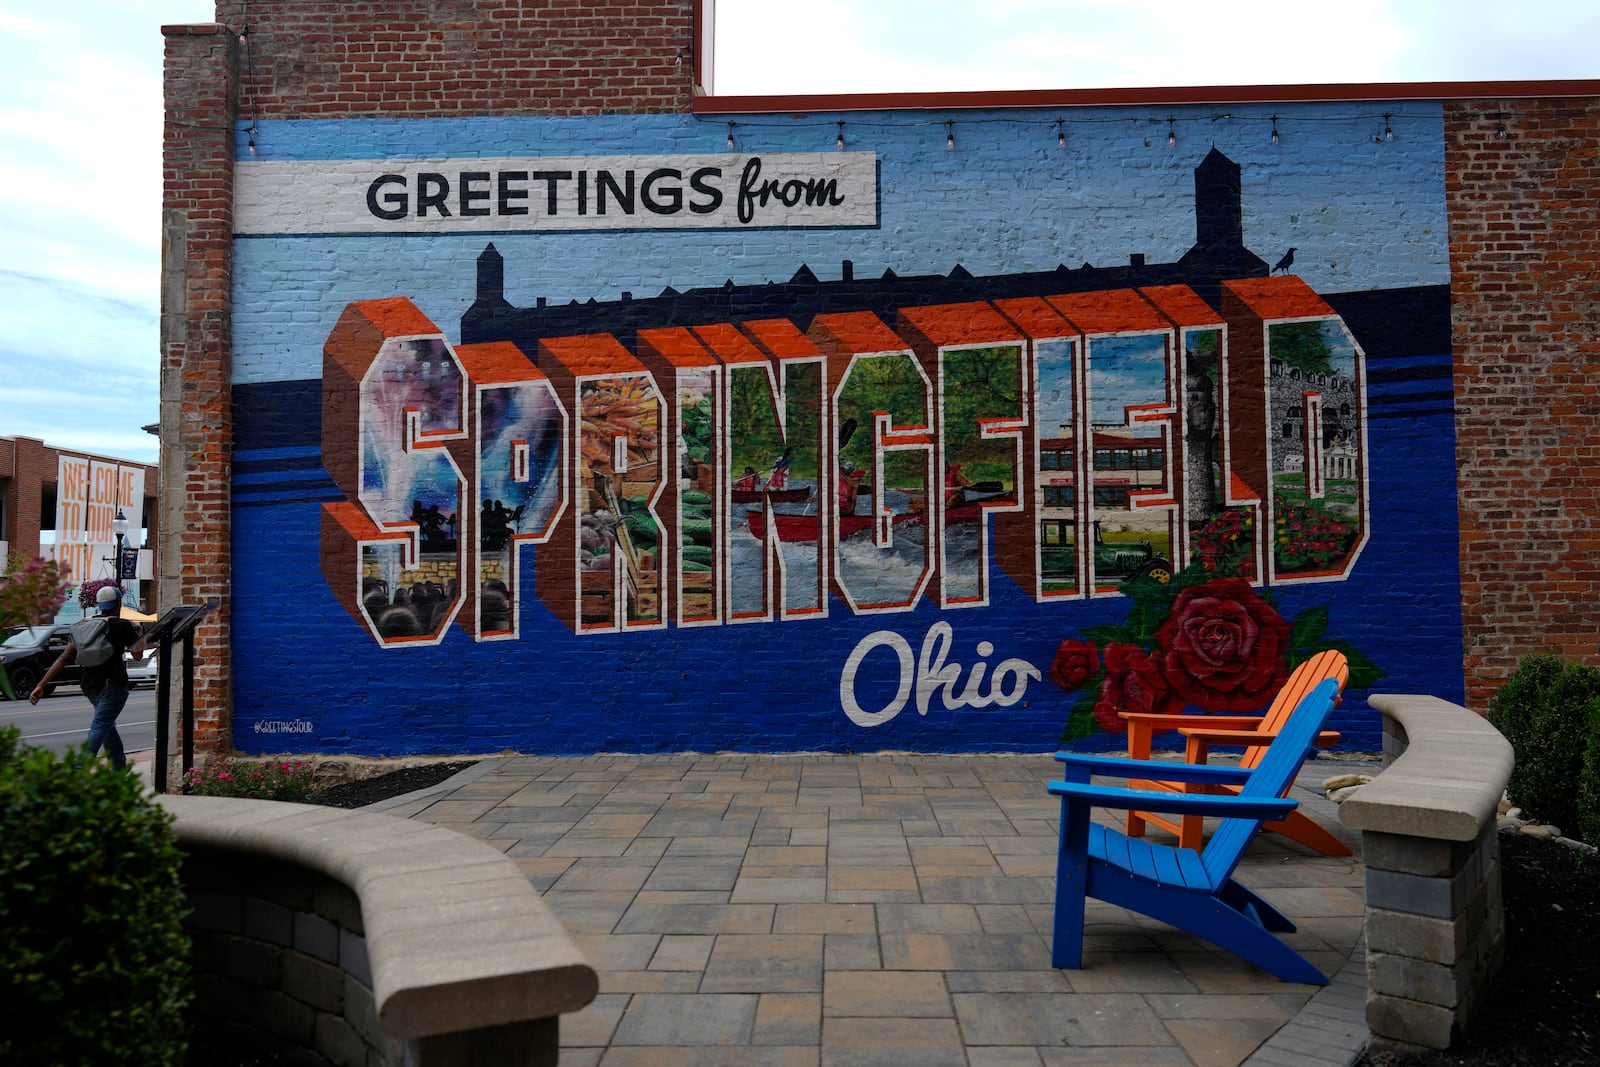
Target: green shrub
x=94 y=961
x=1544 y=710
x=1512 y=709
x=271 y=779
x=1589 y=785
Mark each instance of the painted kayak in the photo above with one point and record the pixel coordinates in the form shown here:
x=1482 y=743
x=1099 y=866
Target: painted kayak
x=777 y=496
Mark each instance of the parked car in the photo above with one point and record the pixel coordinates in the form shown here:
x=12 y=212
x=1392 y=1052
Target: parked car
x=141 y=671
x=28 y=653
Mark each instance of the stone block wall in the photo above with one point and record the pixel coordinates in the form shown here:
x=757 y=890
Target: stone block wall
x=1435 y=926
x=1435 y=934
x=280 y=965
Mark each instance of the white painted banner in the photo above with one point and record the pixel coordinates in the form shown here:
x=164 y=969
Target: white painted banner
x=690 y=192
x=88 y=495
x=74 y=553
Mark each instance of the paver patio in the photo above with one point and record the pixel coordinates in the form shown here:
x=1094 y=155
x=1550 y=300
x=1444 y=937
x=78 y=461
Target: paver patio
x=862 y=910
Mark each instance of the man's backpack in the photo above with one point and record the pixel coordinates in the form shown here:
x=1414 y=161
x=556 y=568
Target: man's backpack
x=93 y=640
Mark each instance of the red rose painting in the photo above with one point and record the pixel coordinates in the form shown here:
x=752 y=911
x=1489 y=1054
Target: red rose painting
x=1134 y=682
x=1203 y=643
x=1075 y=663
x=1222 y=647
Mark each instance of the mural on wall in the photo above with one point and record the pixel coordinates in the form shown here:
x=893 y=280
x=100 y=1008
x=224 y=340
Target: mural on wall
x=918 y=510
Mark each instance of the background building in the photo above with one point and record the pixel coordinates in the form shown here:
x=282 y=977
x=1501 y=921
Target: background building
x=30 y=501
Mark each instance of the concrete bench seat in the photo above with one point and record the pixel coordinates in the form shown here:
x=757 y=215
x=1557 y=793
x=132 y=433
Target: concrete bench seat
x=372 y=939
x=1434 y=924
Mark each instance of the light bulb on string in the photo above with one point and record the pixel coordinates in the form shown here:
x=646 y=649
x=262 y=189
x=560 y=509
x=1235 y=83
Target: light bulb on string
x=949 y=135
x=1061 y=134
x=1274 y=129
x=1172 y=134
x=730 y=137
x=1388 y=131
x=839 y=143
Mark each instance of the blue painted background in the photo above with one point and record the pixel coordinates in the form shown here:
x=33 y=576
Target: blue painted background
x=1366 y=217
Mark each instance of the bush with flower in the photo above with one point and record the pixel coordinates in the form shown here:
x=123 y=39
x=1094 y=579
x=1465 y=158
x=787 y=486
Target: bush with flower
x=1225 y=546
x=87 y=591
x=268 y=779
x=1309 y=536
x=1200 y=643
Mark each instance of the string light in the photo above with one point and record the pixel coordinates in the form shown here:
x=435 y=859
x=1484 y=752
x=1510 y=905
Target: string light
x=683 y=53
x=244 y=34
x=251 y=140
x=1381 y=134
x=1500 y=129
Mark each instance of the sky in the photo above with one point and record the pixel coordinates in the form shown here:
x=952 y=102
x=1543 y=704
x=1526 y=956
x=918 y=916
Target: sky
x=81 y=113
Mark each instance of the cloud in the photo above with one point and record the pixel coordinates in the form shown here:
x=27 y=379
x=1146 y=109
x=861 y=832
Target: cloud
x=941 y=45
x=81 y=368
x=80 y=158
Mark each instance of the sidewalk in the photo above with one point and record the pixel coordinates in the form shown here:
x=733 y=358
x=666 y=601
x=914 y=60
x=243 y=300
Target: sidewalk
x=856 y=910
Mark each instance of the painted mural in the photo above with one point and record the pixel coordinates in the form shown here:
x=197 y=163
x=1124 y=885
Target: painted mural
x=947 y=510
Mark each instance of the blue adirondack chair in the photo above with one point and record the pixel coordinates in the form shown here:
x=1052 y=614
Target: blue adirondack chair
x=1191 y=890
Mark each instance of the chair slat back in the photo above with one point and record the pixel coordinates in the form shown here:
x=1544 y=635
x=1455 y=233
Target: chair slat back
x=1272 y=776
x=1302 y=680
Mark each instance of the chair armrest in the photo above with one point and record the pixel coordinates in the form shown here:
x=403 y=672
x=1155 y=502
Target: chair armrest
x=1156 y=720
x=1157 y=770
x=1248 y=739
x=1224 y=805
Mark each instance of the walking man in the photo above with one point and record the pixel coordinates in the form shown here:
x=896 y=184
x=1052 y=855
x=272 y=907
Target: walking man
x=104 y=683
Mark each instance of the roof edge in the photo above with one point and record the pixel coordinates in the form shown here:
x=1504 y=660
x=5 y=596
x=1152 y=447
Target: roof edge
x=1217 y=94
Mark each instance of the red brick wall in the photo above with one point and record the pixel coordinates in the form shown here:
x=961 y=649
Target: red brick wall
x=1525 y=284
x=196 y=352
x=323 y=60
x=461 y=57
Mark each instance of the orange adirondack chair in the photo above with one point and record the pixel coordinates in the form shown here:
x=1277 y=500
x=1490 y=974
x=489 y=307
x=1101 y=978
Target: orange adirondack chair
x=1253 y=732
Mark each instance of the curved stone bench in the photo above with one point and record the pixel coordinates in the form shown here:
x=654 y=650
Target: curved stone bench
x=332 y=930
x=1434 y=927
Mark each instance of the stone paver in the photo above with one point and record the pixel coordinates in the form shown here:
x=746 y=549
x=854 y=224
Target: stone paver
x=852 y=911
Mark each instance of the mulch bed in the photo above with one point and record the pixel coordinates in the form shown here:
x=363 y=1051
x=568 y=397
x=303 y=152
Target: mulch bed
x=1543 y=1009
x=359 y=794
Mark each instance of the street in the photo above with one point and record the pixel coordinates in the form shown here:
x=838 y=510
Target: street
x=63 y=719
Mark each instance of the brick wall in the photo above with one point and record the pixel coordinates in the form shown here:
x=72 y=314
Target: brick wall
x=1524 y=245
x=1522 y=231
x=324 y=60
x=196 y=351
x=462 y=57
